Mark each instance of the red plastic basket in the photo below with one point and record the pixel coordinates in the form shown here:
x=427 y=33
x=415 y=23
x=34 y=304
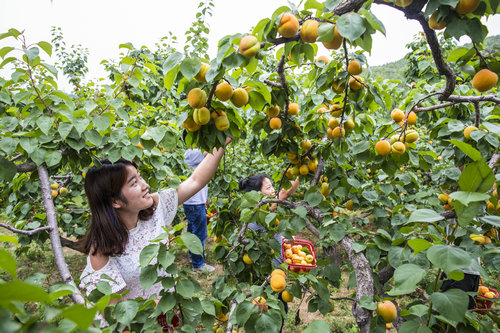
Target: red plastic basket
x=298 y=268
x=174 y=323
x=483 y=302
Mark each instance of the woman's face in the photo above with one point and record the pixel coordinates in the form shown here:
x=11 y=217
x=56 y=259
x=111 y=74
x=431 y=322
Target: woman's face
x=267 y=187
x=135 y=191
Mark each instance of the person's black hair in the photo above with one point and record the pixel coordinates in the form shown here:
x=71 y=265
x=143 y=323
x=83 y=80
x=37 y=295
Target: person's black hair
x=184 y=134
x=252 y=183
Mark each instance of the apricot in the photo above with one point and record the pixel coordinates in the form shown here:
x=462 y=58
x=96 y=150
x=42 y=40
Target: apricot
x=200 y=77
x=279 y=272
x=222 y=123
x=383 y=147
x=247 y=260
x=337 y=87
x=312 y=165
x=435 y=24
x=275 y=123
x=398 y=148
x=411 y=119
x=293 y=109
x=54 y=193
x=397 y=115
x=403 y=3
x=356 y=83
x=468 y=130
x=323 y=58
x=54 y=186
x=223 y=91
x=411 y=136
x=483 y=290
x=349 y=124
x=354 y=68
x=278 y=283
x=273 y=111
x=387 y=310
x=466 y=6
x=289 y=25
x=335 y=43
x=309 y=31
x=197 y=98
x=305 y=144
x=201 y=116
x=333 y=122
x=249 y=46
x=286 y=297
x=303 y=170
x=336 y=110
x=338 y=132
x=240 y=97
x=490 y=294
x=484 y=80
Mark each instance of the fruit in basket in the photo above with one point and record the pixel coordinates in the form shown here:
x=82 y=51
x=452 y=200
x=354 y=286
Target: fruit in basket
x=483 y=290
x=278 y=283
x=296 y=248
x=309 y=258
x=287 y=246
x=490 y=294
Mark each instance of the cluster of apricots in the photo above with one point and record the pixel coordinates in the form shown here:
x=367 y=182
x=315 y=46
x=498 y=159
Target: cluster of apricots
x=399 y=143
x=490 y=206
x=446 y=201
x=274 y=111
x=55 y=190
x=486 y=292
x=302 y=166
x=324 y=186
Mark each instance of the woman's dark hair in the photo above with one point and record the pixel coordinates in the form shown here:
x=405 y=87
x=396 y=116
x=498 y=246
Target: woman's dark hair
x=107 y=234
x=252 y=183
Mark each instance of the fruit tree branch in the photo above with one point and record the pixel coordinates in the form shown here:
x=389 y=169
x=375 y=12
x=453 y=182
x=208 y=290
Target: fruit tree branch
x=55 y=241
x=273 y=84
x=26 y=167
x=477 y=121
x=493 y=161
x=348 y=6
x=482 y=60
x=24 y=232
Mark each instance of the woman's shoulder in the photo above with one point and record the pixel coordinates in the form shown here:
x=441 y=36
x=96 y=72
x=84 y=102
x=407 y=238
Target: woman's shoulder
x=97 y=261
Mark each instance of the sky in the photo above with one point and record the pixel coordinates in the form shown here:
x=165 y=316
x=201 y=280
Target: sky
x=101 y=25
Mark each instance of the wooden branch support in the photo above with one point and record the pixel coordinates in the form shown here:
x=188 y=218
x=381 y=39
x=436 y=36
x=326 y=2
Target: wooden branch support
x=55 y=241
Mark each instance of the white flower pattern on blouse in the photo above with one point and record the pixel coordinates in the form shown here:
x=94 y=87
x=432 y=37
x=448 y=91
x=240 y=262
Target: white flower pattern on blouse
x=125 y=269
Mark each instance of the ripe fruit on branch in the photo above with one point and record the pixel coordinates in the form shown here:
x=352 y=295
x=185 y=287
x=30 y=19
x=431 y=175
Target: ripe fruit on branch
x=247 y=260
x=398 y=148
x=190 y=125
x=305 y=144
x=54 y=186
x=354 y=68
x=63 y=190
x=333 y=122
x=279 y=272
x=411 y=119
x=411 y=136
x=468 y=130
x=336 y=110
x=349 y=204
x=466 y=6
x=434 y=24
x=337 y=87
x=54 y=193
x=286 y=296
x=309 y=31
x=260 y=302
x=289 y=25
x=335 y=43
x=303 y=170
x=224 y=91
x=222 y=123
x=217 y=239
x=240 y=97
x=249 y=46
x=338 y=132
x=278 y=283
x=397 y=115
x=293 y=109
x=324 y=59
x=201 y=116
x=273 y=111
x=200 y=77
x=197 y=98
x=349 y=124
x=312 y=165
x=275 y=123
x=356 y=83
x=387 y=310
x=383 y=147
x=484 y=80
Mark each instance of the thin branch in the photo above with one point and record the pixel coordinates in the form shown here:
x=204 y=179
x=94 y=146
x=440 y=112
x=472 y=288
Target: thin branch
x=478 y=113
x=26 y=167
x=25 y=232
x=482 y=60
x=273 y=84
x=15 y=158
x=434 y=107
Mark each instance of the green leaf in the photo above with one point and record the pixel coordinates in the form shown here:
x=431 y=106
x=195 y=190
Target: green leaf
x=470 y=151
x=413 y=326
x=374 y=22
x=10 y=239
x=5 y=50
x=268 y=322
x=448 y=258
x=148 y=276
x=419 y=245
x=8 y=263
x=173 y=60
x=148 y=253
x=452 y=304
x=468 y=197
x=7 y=170
x=351 y=26
x=317 y=326
x=81 y=124
x=167 y=302
x=406 y=278
x=64 y=129
x=102 y=123
x=190 y=67
x=47 y=47
x=22 y=292
x=313 y=198
x=476 y=177
x=165 y=257
x=424 y=215
x=491 y=219
x=125 y=311
x=368 y=303
x=185 y=288
x=45 y=123
x=52 y=158
x=192 y=242
x=31 y=53
x=156 y=133
x=313 y=4
x=325 y=32
x=361 y=147
x=243 y=311
x=80 y=315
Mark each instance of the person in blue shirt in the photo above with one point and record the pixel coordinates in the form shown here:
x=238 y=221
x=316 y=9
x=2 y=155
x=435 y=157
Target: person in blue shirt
x=196 y=212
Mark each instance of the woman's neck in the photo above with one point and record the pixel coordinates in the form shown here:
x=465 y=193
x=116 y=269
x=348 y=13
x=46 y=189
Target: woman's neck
x=130 y=219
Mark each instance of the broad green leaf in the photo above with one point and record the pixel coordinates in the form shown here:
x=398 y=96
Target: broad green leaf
x=374 y=22
x=167 y=302
x=173 y=60
x=45 y=123
x=414 y=326
x=81 y=124
x=192 y=242
x=8 y=263
x=47 y=47
x=190 y=67
x=79 y=314
x=185 y=288
x=154 y=133
x=102 y=123
x=424 y=215
x=470 y=151
x=368 y=303
x=448 y=258
x=64 y=129
x=313 y=198
x=22 y=292
x=243 y=311
x=10 y=239
x=104 y=287
x=325 y=32
x=52 y=158
x=406 y=278
x=476 y=177
x=468 y=197
x=351 y=26
x=125 y=311
x=5 y=50
x=165 y=257
x=491 y=219
x=7 y=170
x=148 y=276
x=313 y=4
x=452 y=304
x=267 y=322
x=317 y=326
x=148 y=254
x=419 y=245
